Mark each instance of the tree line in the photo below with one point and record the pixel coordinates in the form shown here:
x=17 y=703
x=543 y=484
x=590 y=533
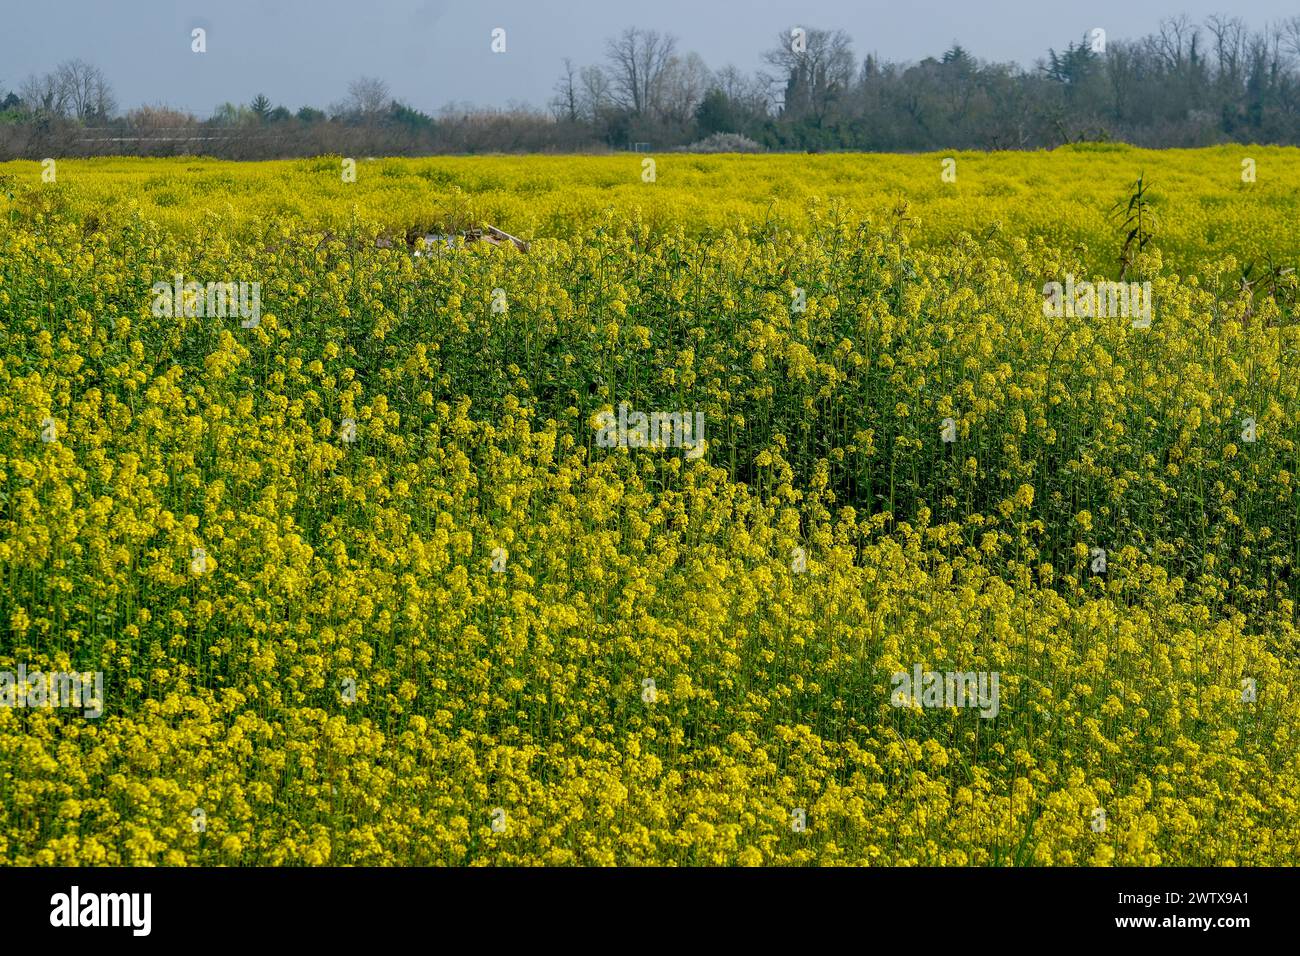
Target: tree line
x=1187 y=84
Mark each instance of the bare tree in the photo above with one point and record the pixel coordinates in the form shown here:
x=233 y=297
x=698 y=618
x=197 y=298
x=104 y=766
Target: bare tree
x=1290 y=30
x=567 y=95
x=102 y=99
x=85 y=90
x=1174 y=41
x=814 y=72
x=42 y=94
x=685 y=82
x=1229 y=48
x=748 y=92
x=1122 y=62
x=638 y=61
x=596 y=95
x=368 y=96
x=1267 y=62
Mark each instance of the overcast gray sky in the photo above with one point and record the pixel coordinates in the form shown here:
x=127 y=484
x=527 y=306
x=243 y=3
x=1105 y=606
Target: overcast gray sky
x=432 y=52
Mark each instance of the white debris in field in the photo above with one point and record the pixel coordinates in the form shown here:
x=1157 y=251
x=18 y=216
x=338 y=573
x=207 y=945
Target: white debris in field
x=432 y=239
x=491 y=235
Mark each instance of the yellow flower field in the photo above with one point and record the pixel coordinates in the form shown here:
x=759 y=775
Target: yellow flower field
x=1062 y=196
x=368 y=584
